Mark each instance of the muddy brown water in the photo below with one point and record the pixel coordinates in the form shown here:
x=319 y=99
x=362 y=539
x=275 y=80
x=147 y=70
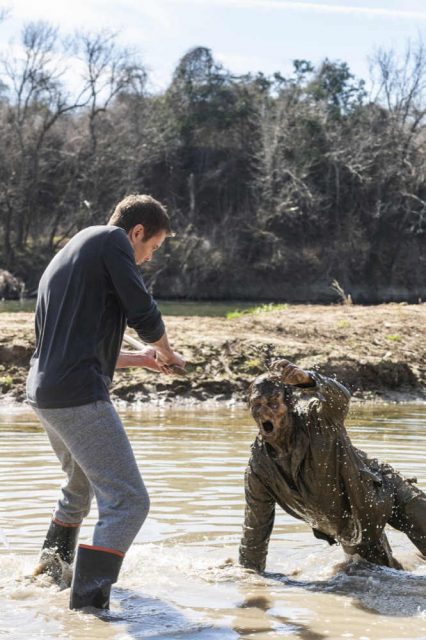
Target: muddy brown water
x=180 y=579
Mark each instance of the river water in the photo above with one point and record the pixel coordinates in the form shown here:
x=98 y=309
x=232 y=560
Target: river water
x=180 y=579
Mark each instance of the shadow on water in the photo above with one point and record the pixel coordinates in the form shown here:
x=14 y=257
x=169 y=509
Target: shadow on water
x=375 y=589
x=148 y=617
x=145 y=616
x=288 y=625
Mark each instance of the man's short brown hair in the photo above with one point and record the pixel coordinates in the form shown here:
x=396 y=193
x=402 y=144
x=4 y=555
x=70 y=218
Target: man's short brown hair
x=141 y=209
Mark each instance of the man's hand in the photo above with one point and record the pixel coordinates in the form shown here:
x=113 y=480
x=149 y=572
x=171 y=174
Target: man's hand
x=158 y=356
x=290 y=374
x=172 y=362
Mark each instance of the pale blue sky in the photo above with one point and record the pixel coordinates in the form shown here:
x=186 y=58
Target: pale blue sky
x=245 y=35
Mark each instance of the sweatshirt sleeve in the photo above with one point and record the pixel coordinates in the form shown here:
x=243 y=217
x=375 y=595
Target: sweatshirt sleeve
x=140 y=308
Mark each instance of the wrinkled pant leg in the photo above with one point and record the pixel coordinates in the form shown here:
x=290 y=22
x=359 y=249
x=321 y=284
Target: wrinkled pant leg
x=409 y=508
x=77 y=492
x=410 y=518
x=96 y=438
x=375 y=551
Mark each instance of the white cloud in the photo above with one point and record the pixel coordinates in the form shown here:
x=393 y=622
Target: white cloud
x=285 y=5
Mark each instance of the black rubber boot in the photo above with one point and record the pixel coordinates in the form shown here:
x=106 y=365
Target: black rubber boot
x=58 y=551
x=63 y=540
x=95 y=572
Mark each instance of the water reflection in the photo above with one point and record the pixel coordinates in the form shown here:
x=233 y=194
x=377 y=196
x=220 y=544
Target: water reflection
x=180 y=579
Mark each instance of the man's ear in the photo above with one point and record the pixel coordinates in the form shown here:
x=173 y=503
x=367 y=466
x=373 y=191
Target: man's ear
x=137 y=232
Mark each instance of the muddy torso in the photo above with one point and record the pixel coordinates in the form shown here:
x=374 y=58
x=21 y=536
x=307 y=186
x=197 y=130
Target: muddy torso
x=322 y=478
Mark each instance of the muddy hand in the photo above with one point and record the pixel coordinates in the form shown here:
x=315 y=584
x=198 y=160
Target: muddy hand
x=289 y=373
x=175 y=369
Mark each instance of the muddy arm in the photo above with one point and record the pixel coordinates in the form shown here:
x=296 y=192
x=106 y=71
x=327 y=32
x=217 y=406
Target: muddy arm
x=258 y=523
x=333 y=398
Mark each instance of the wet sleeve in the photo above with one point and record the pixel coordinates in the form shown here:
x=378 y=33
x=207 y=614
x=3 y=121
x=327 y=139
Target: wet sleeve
x=332 y=398
x=258 y=523
x=139 y=307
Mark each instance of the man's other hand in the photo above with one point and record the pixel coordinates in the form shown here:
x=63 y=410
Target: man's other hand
x=146 y=358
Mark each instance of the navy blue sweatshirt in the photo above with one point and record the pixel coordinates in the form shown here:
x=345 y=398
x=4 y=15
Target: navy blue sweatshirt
x=87 y=295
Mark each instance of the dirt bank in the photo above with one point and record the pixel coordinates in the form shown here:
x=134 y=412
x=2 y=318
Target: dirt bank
x=378 y=352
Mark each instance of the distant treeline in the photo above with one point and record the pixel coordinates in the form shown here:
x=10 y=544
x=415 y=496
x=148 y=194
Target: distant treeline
x=276 y=186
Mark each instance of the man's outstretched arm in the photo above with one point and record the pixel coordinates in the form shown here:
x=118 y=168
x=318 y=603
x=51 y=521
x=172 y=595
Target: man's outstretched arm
x=258 y=523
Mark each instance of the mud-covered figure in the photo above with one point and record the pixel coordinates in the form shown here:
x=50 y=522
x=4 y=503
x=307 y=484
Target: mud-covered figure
x=303 y=460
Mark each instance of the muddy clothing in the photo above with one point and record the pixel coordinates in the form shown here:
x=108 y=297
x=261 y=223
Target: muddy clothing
x=89 y=292
x=322 y=479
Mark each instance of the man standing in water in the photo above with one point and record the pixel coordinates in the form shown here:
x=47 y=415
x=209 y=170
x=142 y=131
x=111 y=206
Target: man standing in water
x=87 y=295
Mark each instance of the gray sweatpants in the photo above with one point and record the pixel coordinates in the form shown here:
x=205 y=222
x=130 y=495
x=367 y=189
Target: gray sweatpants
x=95 y=453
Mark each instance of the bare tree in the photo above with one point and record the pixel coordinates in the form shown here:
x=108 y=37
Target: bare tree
x=399 y=82
x=108 y=71
x=36 y=101
x=49 y=164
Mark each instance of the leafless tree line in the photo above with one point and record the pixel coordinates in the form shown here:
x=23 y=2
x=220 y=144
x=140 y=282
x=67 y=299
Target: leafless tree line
x=277 y=186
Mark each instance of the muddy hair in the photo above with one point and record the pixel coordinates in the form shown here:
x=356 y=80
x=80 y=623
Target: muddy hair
x=268 y=384
x=141 y=209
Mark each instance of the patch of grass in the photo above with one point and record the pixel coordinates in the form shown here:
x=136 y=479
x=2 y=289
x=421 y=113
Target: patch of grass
x=263 y=308
x=395 y=337
x=343 y=324
x=255 y=365
x=6 y=383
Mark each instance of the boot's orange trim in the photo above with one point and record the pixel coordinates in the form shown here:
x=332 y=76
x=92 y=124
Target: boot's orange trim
x=66 y=524
x=114 y=551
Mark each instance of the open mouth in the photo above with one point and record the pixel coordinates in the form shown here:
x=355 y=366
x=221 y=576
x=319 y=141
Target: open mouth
x=267 y=426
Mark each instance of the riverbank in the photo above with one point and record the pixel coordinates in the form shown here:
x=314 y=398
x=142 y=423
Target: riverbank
x=377 y=352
